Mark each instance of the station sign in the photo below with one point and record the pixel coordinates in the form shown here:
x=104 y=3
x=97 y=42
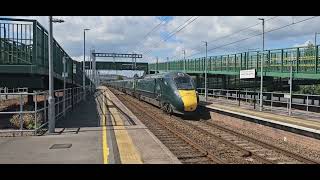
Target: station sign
x=65 y=74
x=247 y=74
x=287 y=96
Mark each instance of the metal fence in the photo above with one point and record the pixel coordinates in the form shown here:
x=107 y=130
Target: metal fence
x=305 y=62
x=24 y=44
x=12 y=90
x=4 y=90
x=271 y=100
x=19 y=111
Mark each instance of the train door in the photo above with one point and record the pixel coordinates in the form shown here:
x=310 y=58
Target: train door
x=158 y=89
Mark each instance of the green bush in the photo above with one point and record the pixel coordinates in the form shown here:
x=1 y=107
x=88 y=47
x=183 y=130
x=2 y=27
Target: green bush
x=309 y=89
x=28 y=120
x=119 y=78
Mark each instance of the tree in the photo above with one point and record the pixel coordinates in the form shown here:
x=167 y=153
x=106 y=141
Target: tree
x=119 y=77
x=310 y=50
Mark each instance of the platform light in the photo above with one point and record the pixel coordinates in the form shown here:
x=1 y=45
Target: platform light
x=57 y=20
x=84 y=61
x=261 y=75
x=51 y=100
x=4 y=31
x=315 y=38
x=184 y=59
x=205 y=73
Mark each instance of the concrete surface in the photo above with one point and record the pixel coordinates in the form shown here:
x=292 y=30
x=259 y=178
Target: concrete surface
x=98 y=134
x=292 y=124
x=81 y=129
x=149 y=147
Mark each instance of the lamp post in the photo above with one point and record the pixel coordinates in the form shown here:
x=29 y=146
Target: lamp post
x=315 y=38
x=261 y=75
x=157 y=65
x=94 y=67
x=205 y=73
x=135 y=63
x=51 y=100
x=291 y=76
x=84 y=65
x=167 y=64
x=98 y=80
x=4 y=31
x=90 y=73
x=64 y=85
x=184 y=60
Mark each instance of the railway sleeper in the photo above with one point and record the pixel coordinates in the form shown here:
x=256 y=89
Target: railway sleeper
x=272 y=158
x=191 y=156
x=185 y=151
x=165 y=137
x=173 y=142
x=202 y=160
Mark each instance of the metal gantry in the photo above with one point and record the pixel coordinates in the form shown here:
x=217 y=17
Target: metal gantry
x=118 y=55
x=118 y=65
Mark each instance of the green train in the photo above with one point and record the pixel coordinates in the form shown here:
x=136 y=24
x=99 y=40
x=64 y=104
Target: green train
x=173 y=92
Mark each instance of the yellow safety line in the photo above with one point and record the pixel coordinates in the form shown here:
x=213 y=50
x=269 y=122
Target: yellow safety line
x=128 y=152
x=104 y=135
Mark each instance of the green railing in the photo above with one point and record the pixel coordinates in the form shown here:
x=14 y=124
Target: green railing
x=277 y=62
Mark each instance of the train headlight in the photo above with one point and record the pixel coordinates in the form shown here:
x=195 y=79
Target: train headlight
x=177 y=93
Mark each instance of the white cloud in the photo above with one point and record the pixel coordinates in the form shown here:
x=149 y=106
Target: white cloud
x=304 y=44
x=126 y=34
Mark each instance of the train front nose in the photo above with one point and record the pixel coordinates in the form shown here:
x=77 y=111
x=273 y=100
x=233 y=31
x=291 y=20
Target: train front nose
x=189 y=99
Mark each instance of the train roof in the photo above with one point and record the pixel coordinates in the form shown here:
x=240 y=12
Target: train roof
x=154 y=76
x=162 y=75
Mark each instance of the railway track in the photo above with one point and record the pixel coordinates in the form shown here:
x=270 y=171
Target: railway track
x=255 y=147
x=157 y=122
x=183 y=147
x=243 y=149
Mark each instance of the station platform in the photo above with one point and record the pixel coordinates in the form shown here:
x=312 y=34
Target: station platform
x=305 y=126
x=100 y=130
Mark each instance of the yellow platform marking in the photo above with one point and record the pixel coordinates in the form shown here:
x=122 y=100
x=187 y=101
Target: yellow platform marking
x=127 y=151
x=104 y=135
x=281 y=118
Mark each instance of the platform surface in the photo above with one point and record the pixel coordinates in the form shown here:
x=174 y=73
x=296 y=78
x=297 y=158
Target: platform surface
x=93 y=133
x=306 y=124
x=135 y=142
x=81 y=129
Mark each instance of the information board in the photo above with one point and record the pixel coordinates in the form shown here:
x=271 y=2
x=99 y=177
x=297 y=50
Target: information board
x=248 y=74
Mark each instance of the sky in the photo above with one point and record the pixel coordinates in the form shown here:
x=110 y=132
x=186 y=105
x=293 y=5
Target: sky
x=149 y=35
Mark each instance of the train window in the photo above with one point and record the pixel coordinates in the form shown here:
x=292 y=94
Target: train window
x=184 y=82
x=158 y=89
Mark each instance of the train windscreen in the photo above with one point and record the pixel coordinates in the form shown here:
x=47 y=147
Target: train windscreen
x=184 y=82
